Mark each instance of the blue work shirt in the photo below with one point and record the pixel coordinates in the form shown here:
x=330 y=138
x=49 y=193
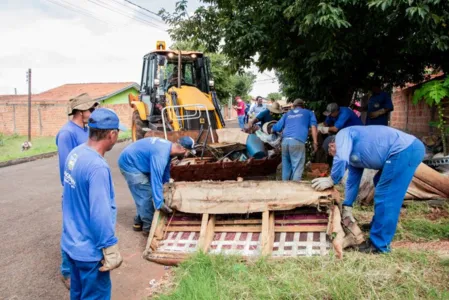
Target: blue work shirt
x=88 y=210
x=376 y=102
x=345 y=118
x=257 y=109
x=150 y=156
x=295 y=124
x=264 y=117
x=360 y=147
x=69 y=137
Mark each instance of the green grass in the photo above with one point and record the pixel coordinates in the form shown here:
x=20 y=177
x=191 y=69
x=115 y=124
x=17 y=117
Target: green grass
x=399 y=275
x=11 y=146
x=418 y=222
x=125 y=134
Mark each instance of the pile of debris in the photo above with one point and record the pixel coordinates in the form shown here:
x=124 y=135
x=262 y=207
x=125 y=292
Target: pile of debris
x=226 y=154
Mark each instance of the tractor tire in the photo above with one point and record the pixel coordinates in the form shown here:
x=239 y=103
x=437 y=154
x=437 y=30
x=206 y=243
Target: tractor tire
x=137 y=126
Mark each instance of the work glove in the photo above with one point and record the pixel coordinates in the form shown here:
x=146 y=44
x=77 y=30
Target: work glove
x=111 y=258
x=164 y=208
x=322 y=183
x=323 y=129
x=346 y=215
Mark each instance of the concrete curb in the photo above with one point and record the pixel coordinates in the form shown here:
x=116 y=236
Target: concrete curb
x=22 y=160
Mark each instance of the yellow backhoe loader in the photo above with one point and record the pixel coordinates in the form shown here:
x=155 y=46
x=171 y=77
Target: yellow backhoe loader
x=176 y=94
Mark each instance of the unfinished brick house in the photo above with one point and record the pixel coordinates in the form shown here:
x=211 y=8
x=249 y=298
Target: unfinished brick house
x=49 y=109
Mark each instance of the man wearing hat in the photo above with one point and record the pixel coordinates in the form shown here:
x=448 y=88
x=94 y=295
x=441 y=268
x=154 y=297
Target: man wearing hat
x=294 y=126
x=395 y=154
x=145 y=164
x=273 y=112
x=338 y=118
x=71 y=135
x=89 y=211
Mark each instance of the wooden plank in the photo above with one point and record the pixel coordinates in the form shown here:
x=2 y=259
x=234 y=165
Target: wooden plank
x=300 y=228
x=303 y=221
x=210 y=232
x=222 y=222
x=156 y=220
x=217 y=228
x=265 y=232
x=271 y=233
x=203 y=229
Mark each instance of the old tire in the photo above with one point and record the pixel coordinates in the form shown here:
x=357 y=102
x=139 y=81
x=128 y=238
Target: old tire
x=137 y=126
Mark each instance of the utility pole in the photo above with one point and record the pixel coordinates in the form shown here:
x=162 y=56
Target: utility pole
x=29 y=104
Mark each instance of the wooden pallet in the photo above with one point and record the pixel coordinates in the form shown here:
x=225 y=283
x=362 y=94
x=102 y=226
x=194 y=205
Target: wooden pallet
x=300 y=232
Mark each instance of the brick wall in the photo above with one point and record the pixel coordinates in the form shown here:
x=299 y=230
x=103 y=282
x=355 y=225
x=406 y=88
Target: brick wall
x=409 y=117
x=46 y=118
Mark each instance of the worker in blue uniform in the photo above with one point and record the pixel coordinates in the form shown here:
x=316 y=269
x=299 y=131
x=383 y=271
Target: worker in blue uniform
x=338 y=118
x=145 y=164
x=294 y=126
x=71 y=135
x=272 y=112
x=379 y=106
x=89 y=210
x=394 y=153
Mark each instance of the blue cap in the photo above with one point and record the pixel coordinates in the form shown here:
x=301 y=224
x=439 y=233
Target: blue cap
x=187 y=142
x=105 y=118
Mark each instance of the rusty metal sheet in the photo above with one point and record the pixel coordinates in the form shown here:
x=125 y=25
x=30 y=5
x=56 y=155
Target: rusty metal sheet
x=219 y=171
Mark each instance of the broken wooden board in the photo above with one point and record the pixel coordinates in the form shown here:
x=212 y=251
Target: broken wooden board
x=231 y=197
x=428 y=184
x=276 y=234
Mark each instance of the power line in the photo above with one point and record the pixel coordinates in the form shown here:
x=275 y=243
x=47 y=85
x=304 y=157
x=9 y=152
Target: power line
x=135 y=18
x=151 y=12
x=140 y=11
x=78 y=10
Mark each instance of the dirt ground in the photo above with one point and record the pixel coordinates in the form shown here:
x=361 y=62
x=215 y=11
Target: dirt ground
x=30 y=229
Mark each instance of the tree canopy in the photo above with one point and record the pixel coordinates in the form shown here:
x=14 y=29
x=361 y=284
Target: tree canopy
x=323 y=49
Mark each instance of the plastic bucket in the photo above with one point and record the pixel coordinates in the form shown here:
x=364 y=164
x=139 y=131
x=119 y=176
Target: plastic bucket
x=255 y=147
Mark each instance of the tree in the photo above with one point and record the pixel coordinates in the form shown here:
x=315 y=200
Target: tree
x=274 y=96
x=434 y=92
x=242 y=84
x=323 y=49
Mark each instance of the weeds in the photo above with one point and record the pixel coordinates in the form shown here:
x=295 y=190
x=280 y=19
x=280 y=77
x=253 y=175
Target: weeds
x=400 y=275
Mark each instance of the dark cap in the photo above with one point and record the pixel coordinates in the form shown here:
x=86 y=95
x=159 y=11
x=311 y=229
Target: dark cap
x=332 y=107
x=299 y=102
x=327 y=141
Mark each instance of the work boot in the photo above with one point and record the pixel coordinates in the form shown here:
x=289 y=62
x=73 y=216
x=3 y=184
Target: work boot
x=137 y=227
x=368 y=247
x=66 y=281
x=164 y=208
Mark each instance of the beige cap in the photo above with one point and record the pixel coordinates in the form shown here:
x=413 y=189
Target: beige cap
x=81 y=102
x=275 y=108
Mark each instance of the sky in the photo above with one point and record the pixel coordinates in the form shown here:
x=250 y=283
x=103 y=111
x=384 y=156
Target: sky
x=80 y=41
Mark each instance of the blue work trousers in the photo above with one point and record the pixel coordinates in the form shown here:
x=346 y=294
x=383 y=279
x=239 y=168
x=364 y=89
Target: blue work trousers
x=65 y=264
x=140 y=187
x=391 y=184
x=88 y=283
x=293 y=159
x=241 y=121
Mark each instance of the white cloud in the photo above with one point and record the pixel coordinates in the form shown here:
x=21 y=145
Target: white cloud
x=62 y=46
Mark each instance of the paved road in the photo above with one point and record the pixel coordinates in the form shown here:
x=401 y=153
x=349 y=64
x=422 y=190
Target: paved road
x=30 y=229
